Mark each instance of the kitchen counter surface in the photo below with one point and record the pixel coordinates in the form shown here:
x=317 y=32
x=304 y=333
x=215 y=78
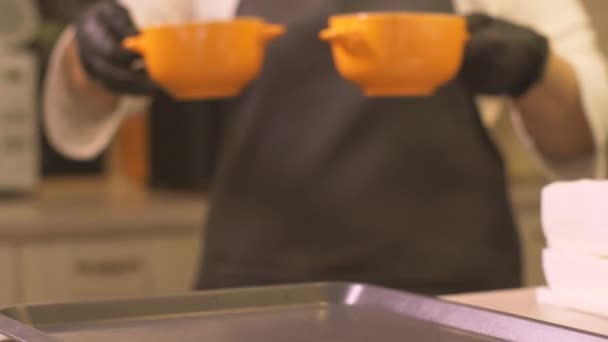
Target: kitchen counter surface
x=522 y=302
x=96 y=205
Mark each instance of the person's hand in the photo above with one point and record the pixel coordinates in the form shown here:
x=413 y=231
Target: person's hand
x=100 y=31
x=503 y=58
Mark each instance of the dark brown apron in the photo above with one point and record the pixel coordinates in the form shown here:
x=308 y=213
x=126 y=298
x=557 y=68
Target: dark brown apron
x=318 y=183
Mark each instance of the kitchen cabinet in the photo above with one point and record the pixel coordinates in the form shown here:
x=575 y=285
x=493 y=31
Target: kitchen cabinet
x=96 y=239
x=108 y=267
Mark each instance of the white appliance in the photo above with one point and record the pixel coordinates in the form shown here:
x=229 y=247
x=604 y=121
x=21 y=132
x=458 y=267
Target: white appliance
x=19 y=139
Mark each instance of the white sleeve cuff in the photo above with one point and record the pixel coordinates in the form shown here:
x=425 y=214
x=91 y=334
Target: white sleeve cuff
x=75 y=127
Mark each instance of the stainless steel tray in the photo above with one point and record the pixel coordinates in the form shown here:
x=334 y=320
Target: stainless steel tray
x=314 y=312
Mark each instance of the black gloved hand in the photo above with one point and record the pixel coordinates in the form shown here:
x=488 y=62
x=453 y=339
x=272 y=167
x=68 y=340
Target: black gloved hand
x=100 y=31
x=503 y=58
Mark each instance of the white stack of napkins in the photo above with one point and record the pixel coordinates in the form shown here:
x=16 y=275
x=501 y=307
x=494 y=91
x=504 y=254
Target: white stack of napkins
x=575 y=262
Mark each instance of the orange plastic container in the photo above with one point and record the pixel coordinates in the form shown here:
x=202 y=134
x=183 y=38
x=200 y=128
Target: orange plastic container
x=205 y=60
x=397 y=53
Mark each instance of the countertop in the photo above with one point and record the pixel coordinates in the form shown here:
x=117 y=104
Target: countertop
x=522 y=302
x=98 y=205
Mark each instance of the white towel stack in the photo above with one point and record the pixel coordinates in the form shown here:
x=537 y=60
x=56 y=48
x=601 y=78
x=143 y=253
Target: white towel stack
x=575 y=262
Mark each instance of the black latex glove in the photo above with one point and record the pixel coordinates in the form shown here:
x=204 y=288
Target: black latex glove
x=503 y=58
x=100 y=31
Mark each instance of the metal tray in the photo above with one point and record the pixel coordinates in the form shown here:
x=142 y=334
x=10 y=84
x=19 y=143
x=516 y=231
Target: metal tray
x=314 y=312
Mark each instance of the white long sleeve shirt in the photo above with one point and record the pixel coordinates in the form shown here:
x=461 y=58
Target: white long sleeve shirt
x=80 y=130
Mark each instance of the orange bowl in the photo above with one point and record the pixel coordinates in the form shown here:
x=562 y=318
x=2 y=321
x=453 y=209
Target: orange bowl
x=397 y=54
x=205 y=60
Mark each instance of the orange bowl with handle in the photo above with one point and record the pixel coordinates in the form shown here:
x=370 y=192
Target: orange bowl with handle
x=397 y=53
x=205 y=60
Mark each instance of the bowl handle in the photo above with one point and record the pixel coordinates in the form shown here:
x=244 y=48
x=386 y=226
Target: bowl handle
x=271 y=32
x=351 y=39
x=134 y=43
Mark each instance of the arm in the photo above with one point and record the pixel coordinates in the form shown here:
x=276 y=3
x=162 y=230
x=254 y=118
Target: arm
x=564 y=112
x=78 y=123
x=542 y=54
x=84 y=108
x=565 y=117
x=553 y=115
